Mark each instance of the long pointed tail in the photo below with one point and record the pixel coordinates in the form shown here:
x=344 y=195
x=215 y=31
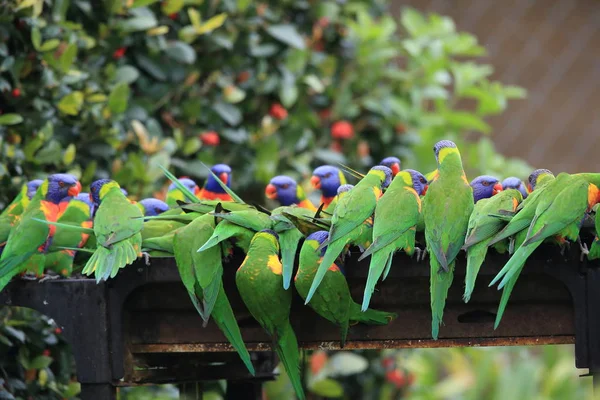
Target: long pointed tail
x=506 y=291
x=440 y=282
x=379 y=261
x=333 y=251
x=288 y=240
x=475 y=257
x=10 y=267
x=225 y=320
x=516 y=263
x=287 y=350
x=370 y=316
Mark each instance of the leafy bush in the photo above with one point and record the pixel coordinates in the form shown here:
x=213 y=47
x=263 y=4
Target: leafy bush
x=117 y=88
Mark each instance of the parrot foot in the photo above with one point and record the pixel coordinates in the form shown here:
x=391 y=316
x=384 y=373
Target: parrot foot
x=49 y=278
x=146 y=258
x=29 y=277
x=584 y=249
x=423 y=254
x=511 y=245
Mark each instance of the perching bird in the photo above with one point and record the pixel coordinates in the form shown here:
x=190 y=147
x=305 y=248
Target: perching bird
x=392 y=163
x=332 y=300
x=28 y=241
x=446 y=210
x=595 y=249
x=327 y=179
x=481 y=230
x=117 y=226
x=10 y=216
x=152 y=207
x=174 y=194
x=287 y=192
x=211 y=189
x=485 y=186
x=351 y=211
x=260 y=283
x=513 y=182
x=396 y=216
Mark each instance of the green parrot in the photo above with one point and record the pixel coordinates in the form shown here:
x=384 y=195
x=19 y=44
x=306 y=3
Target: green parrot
x=28 y=241
x=482 y=227
x=447 y=207
x=192 y=265
x=10 y=216
x=351 y=211
x=332 y=300
x=117 y=225
x=260 y=283
x=396 y=216
x=557 y=210
x=595 y=249
x=174 y=193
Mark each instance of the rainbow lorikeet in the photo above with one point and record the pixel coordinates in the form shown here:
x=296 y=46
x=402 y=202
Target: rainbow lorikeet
x=481 y=230
x=287 y=192
x=152 y=207
x=327 y=179
x=563 y=204
x=396 y=217
x=260 y=283
x=211 y=189
x=29 y=240
x=512 y=182
x=392 y=163
x=332 y=300
x=117 y=227
x=12 y=213
x=349 y=215
x=595 y=249
x=174 y=193
x=485 y=186
x=446 y=210
x=192 y=266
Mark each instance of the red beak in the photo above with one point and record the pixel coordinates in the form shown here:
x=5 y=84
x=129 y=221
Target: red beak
x=196 y=190
x=271 y=192
x=497 y=189
x=395 y=169
x=424 y=190
x=316 y=182
x=74 y=190
x=224 y=177
x=529 y=189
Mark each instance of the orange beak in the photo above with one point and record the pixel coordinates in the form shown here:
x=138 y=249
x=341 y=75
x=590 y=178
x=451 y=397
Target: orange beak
x=395 y=169
x=91 y=198
x=315 y=181
x=271 y=192
x=74 y=190
x=196 y=190
x=497 y=189
x=424 y=190
x=224 y=177
x=529 y=189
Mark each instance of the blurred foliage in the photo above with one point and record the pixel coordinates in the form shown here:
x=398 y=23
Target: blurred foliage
x=117 y=88
x=35 y=361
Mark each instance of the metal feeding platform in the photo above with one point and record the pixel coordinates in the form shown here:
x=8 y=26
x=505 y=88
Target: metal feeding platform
x=141 y=327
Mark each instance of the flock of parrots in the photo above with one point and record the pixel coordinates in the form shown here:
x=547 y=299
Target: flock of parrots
x=51 y=226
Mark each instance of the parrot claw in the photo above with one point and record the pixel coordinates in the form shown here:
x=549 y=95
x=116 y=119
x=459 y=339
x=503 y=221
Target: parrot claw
x=29 y=277
x=423 y=253
x=49 y=278
x=584 y=249
x=511 y=245
x=146 y=258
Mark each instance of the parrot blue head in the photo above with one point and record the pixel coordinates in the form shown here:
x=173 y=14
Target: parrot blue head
x=320 y=237
x=188 y=183
x=61 y=186
x=223 y=171
x=153 y=207
x=85 y=197
x=95 y=188
x=441 y=145
x=387 y=179
x=392 y=163
x=485 y=186
x=328 y=179
x=535 y=175
x=284 y=189
x=515 y=183
x=344 y=188
x=419 y=181
x=32 y=187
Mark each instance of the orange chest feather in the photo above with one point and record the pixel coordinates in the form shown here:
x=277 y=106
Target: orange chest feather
x=208 y=195
x=326 y=201
x=593 y=194
x=377 y=192
x=51 y=213
x=307 y=204
x=515 y=204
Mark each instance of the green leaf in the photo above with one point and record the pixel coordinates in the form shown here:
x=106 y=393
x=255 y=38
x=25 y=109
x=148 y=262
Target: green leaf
x=142 y=3
x=211 y=24
x=49 y=45
x=126 y=74
x=118 y=98
x=136 y=24
x=327 y=388
x=514 y=92
x=36 y=37
x=191 y=197
x=181 y=52
x=40 y=362
x=15 y=333
x=230 y=113
x=10 y=119
x=465 y=120
x=50 y=154
x=315 y=83
x=345 y=363
x=67 y=58
x=287 y=34
x=71 y=104
x=172 y=6
x=151 y=67
x=228 y=190
x=191 y=146
x=69 y=154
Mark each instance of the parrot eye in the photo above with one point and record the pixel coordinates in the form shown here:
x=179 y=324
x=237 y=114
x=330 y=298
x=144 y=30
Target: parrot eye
x=328 y=175
x=285 y=186
x=485 y=183
x=157 y=210
x=61 y=184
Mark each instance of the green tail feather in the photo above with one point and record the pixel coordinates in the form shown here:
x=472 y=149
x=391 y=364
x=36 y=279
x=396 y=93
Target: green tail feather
x=288 y=242
x=223 y=231
x=370 y=316
x=287 y=350
x=510 y=230
x=106 y=263
x=331 y=254
x=77 y=228
x=517 y=261
x=475 y=257
x=187 y=193
x=211 y=293
x=388 y=266
x=10 y=267
x=379 y=261
x=162 y=243
x=440 y=282
x=506 y=291
x=225 y=320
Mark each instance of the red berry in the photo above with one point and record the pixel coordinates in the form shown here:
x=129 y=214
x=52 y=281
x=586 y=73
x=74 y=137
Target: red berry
x=173 y=16
x=400 y=129
x=16 y=92
x=336 y=146
x=58 y=331
x=46 y=353
x=325 y=113
x=243 y=76
x=342 y=130
x=363 y=149
x=210 y=138
x=396 y=377
x=323 y=22
x=388 y=363
x=317 y=361
x=119 y=53
x=277 y=111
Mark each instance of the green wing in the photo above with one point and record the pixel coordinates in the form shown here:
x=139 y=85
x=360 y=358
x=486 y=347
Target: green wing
x=116 y=219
